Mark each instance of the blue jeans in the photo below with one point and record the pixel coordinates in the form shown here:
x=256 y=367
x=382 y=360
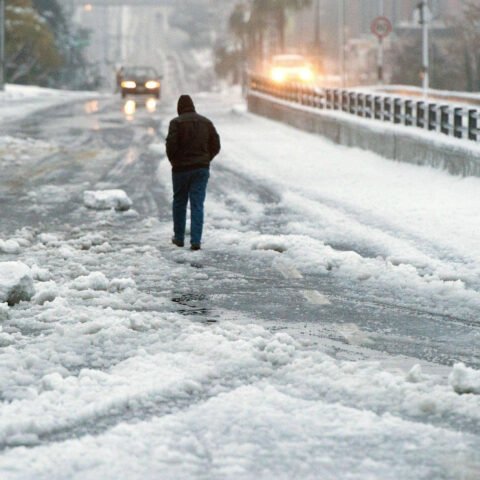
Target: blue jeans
x=191 y=185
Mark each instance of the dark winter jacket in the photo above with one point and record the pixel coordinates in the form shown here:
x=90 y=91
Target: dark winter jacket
x=192 y=140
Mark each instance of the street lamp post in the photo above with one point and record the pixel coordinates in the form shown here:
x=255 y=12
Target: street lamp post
x=341 y=28
x=317 y=25
x=424 y=22
x=381 y=8
x=2 y=45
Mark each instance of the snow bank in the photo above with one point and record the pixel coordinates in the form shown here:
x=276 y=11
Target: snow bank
x=16 y=283
x=396 y=142
x=107 y=199
x=228 y=401
x=18 y=101
x=464 y=379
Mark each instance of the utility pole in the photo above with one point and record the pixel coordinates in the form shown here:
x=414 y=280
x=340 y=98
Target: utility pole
x=341 y=36
x=317 y=26
x=424 y=22
x=2 y=45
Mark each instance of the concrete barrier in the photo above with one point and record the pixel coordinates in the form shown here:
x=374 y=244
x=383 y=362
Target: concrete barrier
x=388 y=140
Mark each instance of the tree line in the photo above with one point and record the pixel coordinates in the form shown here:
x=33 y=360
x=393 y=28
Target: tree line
x=43 y=48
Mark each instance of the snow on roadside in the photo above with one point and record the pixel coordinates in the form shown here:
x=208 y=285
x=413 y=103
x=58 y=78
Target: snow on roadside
x=100 y=378
x=112 y=373
x=229 y=399
x=326 y=240
x=18 y=101
x=350 y=213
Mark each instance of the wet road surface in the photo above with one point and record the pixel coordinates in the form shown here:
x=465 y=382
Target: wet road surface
x=105 y=143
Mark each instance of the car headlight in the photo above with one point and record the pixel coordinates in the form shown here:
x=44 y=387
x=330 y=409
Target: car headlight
x=278 y=75
x=152 y=84
x=129 y=84
x=306 y=74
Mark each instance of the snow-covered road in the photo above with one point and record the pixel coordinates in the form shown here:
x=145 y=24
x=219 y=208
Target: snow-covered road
x=314 y=336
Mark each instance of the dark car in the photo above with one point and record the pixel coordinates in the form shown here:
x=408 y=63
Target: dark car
x=140 y=80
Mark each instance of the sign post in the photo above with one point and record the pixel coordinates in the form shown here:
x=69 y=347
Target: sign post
x=381 y=27
x=424 y=18
x=342 y=46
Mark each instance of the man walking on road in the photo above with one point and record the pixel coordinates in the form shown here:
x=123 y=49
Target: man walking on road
x=192 y=143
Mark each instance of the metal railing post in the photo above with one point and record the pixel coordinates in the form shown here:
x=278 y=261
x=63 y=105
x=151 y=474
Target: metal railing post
x=361 y=105
x=377 y=108
x=458 y=122
x=352 y=103
x=337 y=99
x=421 y=114
x=397 y=110
x=387 y=109
x=309 y=95
x=368 y=106
x=301 y=94
x=344 y=101
x=328 y=99
x=472 y=124
x=320 y=99
x=432 y=116
x=445 y=119
x=408 y=113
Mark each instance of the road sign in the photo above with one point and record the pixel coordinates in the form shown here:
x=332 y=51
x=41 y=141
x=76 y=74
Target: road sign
x=381 y=27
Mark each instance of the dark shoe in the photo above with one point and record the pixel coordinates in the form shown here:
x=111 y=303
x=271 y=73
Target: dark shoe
x=178 y=243
x=195 y=246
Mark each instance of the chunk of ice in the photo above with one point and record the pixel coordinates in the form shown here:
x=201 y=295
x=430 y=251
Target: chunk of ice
x=16 y=283
x=107 y=199
x=464 y=379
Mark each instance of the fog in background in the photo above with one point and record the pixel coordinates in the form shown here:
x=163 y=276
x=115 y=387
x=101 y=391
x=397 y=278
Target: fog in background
x=204 y=44
x=177 y=38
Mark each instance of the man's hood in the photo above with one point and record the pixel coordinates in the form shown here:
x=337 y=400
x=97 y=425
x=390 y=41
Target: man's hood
x=185 y=104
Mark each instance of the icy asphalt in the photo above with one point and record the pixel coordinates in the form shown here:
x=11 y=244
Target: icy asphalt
x=283 y=349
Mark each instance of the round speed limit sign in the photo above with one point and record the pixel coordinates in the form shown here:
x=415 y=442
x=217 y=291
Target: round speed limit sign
x=381 y=27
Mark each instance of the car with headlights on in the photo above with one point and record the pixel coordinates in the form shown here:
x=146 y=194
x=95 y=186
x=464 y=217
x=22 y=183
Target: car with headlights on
x=291 y=68
x=140 y=80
